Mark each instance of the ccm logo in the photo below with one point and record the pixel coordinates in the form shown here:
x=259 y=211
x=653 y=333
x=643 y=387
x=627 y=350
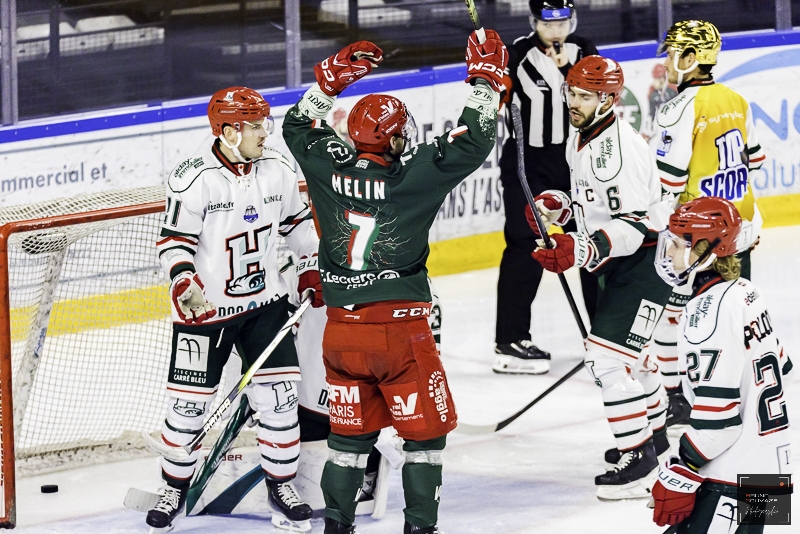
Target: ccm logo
x=485 y=66
x=411 y=312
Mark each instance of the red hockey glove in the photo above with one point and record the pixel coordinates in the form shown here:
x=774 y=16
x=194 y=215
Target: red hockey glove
x=487 y=60
x=308 y=277
x=344 y=68
x=674 y=492
x=553 y=206
x=189 y=300
x=570 y=249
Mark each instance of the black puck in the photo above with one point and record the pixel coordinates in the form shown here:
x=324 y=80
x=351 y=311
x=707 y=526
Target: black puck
x=50 y=488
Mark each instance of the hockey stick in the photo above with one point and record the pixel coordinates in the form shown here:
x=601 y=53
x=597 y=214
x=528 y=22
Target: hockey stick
x=180 y=453
x=463 y=428
x=476 y=21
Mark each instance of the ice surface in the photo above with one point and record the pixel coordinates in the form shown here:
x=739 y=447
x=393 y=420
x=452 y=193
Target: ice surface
x=536 y=476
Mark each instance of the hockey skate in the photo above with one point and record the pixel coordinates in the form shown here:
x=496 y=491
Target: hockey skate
x=633 y=476
x=521 y=357
x=660 y=442
x=168 y=507
x=334 y=527
x=411 y=529
x=289 y=512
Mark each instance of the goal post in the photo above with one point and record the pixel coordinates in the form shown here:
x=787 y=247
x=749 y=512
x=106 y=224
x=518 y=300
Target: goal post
x=82 y=275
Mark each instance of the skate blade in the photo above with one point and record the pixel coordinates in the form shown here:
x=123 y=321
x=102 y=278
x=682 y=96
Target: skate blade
x=638 y=489
x=505 y=365
x=282 y=522
x=164 y=530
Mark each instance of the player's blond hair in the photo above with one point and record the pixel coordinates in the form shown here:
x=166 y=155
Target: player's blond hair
x=729 y=267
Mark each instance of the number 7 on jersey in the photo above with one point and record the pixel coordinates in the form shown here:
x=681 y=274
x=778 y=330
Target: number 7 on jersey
x=362 y=237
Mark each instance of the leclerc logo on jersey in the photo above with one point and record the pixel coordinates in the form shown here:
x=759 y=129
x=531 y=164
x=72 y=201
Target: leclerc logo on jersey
x=245 y=261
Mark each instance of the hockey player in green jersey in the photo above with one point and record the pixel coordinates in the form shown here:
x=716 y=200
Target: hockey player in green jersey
x=375 y=206
x=734 y=367
x=616 y=202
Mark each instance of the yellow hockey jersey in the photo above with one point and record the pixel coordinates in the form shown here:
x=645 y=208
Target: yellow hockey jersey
x=707 y=146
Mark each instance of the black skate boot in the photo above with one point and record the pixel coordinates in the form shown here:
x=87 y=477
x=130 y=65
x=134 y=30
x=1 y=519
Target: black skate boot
x=289 y=512
x=521 y=357
x=411 y=529
x=632 y=477
x=168 y=507
x=660 y=442
x=332 y=526
x=678 y=408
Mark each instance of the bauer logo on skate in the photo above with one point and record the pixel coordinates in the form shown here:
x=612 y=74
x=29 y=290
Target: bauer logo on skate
x=437 y=390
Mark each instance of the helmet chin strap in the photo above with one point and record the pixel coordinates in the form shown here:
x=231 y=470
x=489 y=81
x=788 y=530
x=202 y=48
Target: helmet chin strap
x=598 y=115
x=234 y=148
x=701 y=264
x=675 y=58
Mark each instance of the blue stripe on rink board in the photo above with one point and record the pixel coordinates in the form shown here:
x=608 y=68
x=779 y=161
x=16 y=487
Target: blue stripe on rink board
x=157 y=113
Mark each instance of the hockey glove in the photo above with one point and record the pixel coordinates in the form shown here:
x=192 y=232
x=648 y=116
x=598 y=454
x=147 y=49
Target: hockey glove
x=674 y=492
x=189 y=300
x=568 y=250
x=308 y=277
x=344 y=68
x=553 y=207
x=487 y=60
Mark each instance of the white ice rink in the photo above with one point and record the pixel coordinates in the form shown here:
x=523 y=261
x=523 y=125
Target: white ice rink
x=536 y=476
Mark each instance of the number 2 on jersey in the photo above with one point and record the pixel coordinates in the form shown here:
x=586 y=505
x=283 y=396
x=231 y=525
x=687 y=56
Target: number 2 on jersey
x=362 y=237
x=769 y=400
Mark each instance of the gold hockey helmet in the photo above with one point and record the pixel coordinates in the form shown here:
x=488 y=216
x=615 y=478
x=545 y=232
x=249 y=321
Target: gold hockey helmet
x=698 y=35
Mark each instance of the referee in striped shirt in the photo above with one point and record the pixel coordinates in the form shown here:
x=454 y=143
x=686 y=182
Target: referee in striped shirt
x=538 y=64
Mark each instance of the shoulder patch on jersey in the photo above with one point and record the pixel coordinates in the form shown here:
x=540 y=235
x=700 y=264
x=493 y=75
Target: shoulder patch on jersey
x=703 y=313
x=606 y=156
x=670 y=113
x=184 y=175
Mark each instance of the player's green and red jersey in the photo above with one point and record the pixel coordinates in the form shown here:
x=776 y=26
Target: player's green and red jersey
x=375 y=216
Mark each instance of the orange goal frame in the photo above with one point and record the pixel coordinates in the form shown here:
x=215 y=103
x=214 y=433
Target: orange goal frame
x=8 y=510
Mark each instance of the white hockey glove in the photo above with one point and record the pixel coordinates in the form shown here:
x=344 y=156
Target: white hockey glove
x=189 y=300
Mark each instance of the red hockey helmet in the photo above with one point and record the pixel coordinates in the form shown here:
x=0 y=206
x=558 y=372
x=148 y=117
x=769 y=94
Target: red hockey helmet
x=375 y=119
x=234 y=106
x=708 y=218
x=598 y=74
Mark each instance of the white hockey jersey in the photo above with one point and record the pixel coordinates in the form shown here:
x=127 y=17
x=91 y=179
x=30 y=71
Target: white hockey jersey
x=225 y=221
x=616 y=192
x=735 y=368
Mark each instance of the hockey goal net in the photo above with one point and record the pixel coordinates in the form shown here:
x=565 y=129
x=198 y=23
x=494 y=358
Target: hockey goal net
x=84 y=327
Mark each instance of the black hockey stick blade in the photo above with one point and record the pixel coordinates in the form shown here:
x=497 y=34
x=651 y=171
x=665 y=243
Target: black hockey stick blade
x=464 y=428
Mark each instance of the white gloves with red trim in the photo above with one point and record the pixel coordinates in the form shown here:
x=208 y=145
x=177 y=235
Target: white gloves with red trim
x=554 y=208
x=189 y=299
x=674 y=492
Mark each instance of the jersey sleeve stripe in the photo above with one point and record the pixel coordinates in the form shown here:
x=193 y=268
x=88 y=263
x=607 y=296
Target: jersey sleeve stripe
x=725 y=408
x=455 y=132
x=166 y=232
x=754 y=149
x=176 y=238
x=177 y=247
x=178 y=268
x=689 y=451
x=717 y=393
x=671 y=183
x=669 y=169
x=758 y=159
x=638 y=226
x=626 y=417
x=718 y=424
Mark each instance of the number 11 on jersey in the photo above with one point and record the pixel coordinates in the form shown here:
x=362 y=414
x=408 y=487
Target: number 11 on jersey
x=362 y=237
